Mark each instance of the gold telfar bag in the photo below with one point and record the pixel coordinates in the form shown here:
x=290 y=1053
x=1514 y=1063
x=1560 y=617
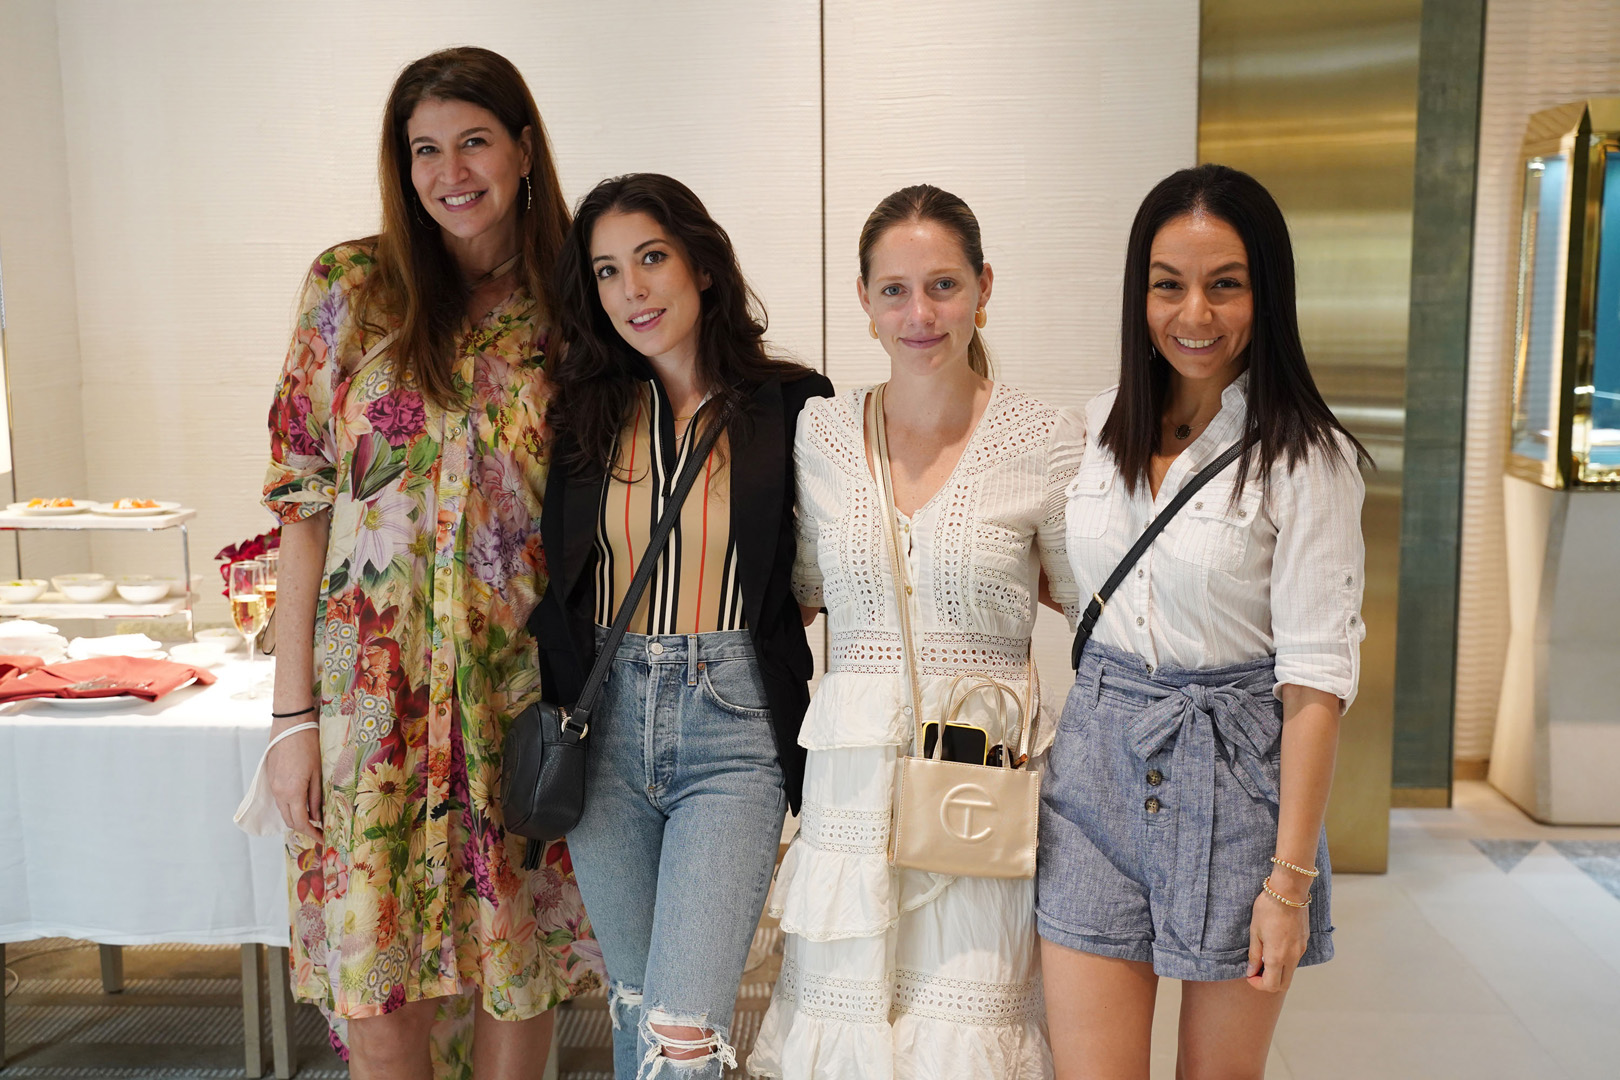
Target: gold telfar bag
x=951 y=817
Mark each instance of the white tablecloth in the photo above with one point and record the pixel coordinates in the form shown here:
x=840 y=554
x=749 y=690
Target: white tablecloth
x=115 y=825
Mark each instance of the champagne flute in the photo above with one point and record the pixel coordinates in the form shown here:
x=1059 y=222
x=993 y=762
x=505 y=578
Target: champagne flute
x=247 y=602
x=267 y=585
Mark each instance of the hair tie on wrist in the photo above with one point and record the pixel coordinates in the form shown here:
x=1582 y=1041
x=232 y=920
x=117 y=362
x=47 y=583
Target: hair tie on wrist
x=290 y=715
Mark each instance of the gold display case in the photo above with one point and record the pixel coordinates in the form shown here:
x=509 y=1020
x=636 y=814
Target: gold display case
x=1566 y=335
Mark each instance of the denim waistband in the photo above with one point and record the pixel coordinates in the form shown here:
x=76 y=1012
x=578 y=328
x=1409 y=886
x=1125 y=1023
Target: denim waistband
x=1105 y=662
x=682 y=648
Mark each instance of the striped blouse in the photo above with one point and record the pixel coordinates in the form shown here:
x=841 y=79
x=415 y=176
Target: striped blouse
x=695 y=589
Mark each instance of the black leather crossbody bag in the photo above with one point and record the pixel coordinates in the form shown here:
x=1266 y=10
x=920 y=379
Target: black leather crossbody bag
x=543 y=757
x=1099 y=599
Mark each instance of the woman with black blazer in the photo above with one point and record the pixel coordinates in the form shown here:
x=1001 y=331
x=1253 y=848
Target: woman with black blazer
x=693 y=755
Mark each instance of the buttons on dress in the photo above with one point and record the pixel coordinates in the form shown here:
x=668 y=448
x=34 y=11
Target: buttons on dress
x=1140 y=620
x=656 y=648
x=1140 y=573
x=1198 y=506
x=1152 y=805
x=1155 y=777
x=1242 y=513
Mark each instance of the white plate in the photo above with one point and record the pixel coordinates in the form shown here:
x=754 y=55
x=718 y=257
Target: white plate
x=48 y=511
x=91 y=704
x=137 y=511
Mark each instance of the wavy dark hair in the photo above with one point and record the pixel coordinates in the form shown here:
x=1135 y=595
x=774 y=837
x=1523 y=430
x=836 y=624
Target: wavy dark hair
x=1287 y=418
x=415 y=280
x=594 y=384
x=925 y=202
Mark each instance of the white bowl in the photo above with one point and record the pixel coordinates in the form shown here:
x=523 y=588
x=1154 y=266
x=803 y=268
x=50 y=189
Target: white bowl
x=199 y=653
x=83 y=588
x=142 y=588
x=22 y=591
x=227 y=638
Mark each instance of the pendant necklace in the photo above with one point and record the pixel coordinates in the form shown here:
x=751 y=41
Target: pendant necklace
x=486 y=278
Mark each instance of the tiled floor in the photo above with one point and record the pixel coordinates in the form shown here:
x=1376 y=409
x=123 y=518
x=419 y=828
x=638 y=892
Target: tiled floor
x=1490 y=951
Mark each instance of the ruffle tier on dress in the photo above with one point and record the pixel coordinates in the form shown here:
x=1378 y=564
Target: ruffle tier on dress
x=891 y=973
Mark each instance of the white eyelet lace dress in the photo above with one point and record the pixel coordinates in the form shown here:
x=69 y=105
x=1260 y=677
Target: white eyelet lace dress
x=903 y=974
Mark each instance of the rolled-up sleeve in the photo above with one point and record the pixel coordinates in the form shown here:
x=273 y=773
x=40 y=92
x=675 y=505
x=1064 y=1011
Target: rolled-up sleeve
x=302 y=477
x=806 y=582
x=1063 y=453
x=1318 y=573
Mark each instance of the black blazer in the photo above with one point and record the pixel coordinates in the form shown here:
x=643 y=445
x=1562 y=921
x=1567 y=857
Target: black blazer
x=762 y=501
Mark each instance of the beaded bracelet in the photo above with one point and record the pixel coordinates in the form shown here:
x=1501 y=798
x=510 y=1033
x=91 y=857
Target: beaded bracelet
x=1285 y=864
x=1280 y=898
x=290 y=715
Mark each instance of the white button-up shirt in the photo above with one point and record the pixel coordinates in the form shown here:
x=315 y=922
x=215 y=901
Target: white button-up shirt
x=1276 y=572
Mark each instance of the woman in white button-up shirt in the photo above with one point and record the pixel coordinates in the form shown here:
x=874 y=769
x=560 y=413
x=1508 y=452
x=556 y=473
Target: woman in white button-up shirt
x=1181 y=830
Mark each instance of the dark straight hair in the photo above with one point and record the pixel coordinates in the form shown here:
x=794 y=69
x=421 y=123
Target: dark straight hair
x=1287 y=417
x=595 y=384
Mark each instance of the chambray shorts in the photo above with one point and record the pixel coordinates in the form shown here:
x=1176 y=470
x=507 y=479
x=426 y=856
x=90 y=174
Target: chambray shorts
x=1159 y=816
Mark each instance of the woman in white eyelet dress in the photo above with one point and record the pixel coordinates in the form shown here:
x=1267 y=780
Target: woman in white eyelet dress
x=897 y=973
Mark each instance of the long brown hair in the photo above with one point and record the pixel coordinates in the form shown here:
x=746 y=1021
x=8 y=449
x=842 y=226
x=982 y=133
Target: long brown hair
x=1287 y=418
x=925 y=202
x=415 y=281
x=594 y=387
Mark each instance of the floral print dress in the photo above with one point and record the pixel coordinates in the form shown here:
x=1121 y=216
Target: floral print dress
x=433 y=566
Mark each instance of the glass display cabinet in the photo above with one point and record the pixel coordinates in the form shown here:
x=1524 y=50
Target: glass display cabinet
x=1566 y=390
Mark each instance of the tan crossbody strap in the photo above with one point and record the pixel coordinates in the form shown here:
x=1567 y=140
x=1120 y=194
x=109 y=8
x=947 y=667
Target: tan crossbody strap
x=877 y=437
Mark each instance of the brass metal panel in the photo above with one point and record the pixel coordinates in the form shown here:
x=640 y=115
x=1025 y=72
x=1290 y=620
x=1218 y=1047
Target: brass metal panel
x=1319 y=102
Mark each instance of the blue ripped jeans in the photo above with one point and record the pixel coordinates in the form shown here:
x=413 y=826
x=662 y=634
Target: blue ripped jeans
x=683 y=814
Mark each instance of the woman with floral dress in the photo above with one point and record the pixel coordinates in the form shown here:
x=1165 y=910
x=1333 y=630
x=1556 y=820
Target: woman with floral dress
x=892 y=973
x=407 y=466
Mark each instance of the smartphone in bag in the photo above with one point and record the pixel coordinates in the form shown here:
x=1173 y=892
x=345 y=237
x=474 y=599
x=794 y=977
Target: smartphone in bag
x=963 y=742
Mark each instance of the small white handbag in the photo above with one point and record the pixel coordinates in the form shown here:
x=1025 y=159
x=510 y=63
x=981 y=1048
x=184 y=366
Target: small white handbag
x=258 y=815
x=952 y=817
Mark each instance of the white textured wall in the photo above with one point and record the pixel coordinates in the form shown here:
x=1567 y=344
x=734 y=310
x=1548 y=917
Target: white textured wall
x=197 y=155
x=214 y=149
x=1538 y=53
x=1052 y=120
x=36 y=257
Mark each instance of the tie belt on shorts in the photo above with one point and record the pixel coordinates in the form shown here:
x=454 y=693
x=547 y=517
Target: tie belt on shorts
x=1197 y=716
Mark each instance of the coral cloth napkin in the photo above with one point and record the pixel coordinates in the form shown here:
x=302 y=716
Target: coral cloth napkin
x=23 y=677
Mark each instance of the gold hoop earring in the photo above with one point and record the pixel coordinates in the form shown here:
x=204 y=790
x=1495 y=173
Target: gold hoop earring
x=871 y=328
x=980 y=318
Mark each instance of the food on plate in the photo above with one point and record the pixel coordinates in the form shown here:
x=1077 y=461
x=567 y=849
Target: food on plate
x=49 y=504
x=135 y=504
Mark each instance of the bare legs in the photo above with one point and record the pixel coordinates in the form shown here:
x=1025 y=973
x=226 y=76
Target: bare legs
x=511 y=1049
x=395 y=1046
x=1100 y=1012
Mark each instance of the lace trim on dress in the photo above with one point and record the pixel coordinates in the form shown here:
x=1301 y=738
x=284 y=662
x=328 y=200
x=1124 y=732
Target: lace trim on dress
x=878 y=652
x=853 y=1001
x=857 y=832
x=964 y=1002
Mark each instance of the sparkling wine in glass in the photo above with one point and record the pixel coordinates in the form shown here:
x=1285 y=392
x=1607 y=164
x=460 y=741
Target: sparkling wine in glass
x=267 y=583
x=247 y=602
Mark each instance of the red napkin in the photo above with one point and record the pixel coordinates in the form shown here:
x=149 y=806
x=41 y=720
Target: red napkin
x=24 y=677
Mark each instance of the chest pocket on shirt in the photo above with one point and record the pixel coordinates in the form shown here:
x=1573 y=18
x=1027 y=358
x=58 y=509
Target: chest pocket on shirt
x=1212 y=530
x=1091 y=500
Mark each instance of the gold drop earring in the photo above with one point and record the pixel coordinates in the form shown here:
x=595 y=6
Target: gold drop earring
x=980 y=318
x=871 y=328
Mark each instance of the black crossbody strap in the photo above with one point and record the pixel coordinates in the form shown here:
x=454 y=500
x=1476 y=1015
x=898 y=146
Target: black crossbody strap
x=579 y=717
x=1099 y=599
